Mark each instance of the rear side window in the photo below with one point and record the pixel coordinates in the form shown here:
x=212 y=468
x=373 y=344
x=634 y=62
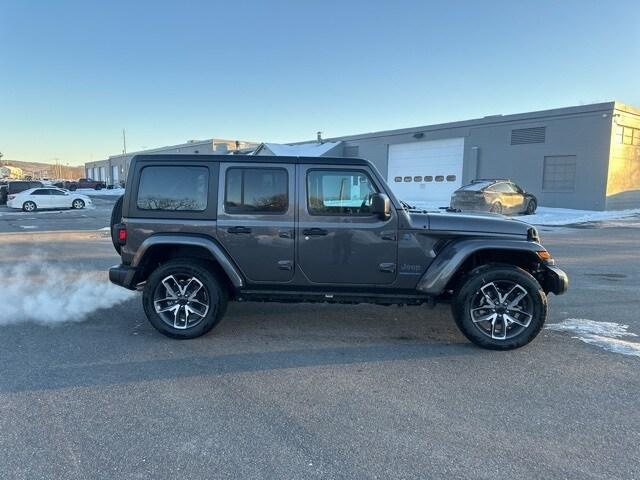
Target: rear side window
x=256 y=190
x=173 y=188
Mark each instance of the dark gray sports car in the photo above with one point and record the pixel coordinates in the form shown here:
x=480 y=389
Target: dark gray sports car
x=494 y=195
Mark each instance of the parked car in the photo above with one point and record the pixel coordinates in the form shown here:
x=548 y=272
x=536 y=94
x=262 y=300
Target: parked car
x=84 y=183
x=200 y=230
x=16 y=186
x=45 y=198
x=494 y=195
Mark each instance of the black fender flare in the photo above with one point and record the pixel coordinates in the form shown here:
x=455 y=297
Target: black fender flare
x=450 y=259
x=212 y=247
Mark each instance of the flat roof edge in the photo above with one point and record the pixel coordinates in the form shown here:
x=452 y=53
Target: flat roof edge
x=487 y=120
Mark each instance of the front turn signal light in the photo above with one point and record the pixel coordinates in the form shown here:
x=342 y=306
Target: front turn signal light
x=544 y=255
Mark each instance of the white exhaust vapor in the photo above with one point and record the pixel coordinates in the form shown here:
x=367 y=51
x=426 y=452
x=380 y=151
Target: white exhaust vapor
x=39 y=292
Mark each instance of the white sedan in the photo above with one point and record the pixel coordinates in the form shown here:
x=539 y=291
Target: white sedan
x=49 y=197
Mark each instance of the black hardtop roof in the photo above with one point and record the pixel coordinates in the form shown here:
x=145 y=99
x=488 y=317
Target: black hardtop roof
x=178 y=157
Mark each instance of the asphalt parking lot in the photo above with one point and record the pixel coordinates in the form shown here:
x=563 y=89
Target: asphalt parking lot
x=309 y=391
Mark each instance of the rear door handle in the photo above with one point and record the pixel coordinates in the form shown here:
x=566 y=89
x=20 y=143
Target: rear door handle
x=314 y=232
x=239 y=230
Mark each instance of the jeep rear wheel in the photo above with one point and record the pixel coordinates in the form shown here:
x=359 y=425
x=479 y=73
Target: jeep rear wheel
x=500 y=307
x=183 y=299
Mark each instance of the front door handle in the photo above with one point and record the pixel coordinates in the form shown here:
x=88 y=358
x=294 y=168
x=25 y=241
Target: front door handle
x=239 y=230
x=314 y=232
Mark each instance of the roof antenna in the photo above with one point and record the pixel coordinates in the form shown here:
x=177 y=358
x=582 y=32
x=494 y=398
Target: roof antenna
x=320 y=138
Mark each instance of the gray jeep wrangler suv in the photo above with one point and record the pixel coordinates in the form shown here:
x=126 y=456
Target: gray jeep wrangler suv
x=196 y=231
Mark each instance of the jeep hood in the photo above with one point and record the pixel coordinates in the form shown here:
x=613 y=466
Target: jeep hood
x=468 y=223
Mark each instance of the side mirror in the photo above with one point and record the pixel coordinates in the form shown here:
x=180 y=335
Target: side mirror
x=381 y=206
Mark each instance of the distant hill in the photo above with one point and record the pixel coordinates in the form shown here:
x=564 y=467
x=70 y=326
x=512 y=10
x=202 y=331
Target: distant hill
x=46 y=170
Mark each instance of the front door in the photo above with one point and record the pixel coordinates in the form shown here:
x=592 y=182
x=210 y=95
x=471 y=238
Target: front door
x=339 y=240
x=256 y=219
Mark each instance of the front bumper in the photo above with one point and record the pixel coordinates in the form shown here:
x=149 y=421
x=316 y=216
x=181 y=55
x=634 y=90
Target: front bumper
x=123 y=275
x=555 y=280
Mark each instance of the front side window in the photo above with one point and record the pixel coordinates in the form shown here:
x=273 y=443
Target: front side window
x=40 y=192
x=339 y=192
x=502 y=188
x=256 y=190
x=173 y=188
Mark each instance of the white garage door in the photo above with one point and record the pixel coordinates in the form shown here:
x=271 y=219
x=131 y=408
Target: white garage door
x=426 y=172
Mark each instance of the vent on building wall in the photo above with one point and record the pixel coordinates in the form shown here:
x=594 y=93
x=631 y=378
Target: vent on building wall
x=351 y=150
x=521 y=136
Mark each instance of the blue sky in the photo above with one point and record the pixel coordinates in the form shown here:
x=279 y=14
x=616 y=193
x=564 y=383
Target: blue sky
x=73 y=74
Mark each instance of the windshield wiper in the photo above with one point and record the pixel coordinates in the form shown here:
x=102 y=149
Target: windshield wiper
x=406 y=206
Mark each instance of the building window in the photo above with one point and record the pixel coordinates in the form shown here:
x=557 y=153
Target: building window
x=559 y=174
x=256 y=190
x=173 y=188
x=417 y=178
x=451 y=178
x=627 y=135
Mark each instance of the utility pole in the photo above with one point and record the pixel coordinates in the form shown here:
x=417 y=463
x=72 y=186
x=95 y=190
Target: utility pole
x=124 y=141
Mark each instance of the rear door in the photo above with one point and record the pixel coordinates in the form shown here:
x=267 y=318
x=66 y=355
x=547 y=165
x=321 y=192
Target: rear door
x=339 y=240
x=256 y=218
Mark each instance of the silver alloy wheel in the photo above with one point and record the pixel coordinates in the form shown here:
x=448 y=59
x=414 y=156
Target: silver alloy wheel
x=501 y=309
x=29 y=206
x=181 y=301
x=78 y=204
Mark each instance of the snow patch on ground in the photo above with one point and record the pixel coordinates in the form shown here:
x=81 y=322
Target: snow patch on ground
x=605 y=335
x=552 y=216
x=567 y=216
x=104 y=192
x=47 y=294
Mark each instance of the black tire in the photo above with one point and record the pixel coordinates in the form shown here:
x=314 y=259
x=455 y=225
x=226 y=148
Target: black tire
x=216 y=297
x=73 y=188
x=77 y=204
x=98 y=187
x=531 y=207
x=482 y=332
x=496 y=208
x=116 y=217
x=29 y=206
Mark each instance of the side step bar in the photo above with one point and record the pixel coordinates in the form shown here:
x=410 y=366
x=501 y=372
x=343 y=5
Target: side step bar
x=329 y=297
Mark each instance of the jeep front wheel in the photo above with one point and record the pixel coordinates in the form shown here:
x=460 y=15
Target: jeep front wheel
x=183 y=299
x=500 y=307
